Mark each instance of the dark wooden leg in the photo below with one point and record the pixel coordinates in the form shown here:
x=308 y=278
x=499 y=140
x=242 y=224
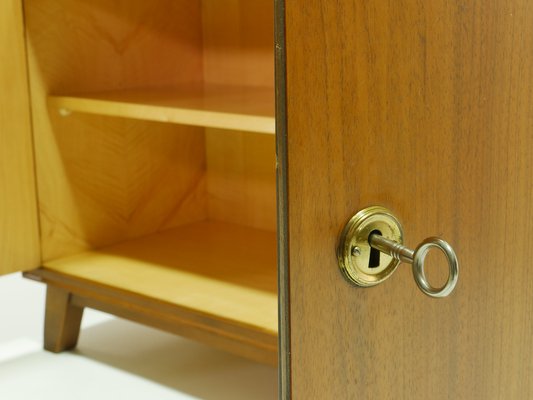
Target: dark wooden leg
x=62 y=320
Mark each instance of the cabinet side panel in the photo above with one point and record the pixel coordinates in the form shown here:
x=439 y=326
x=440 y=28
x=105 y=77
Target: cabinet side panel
x=103 y=180
x=19 y=243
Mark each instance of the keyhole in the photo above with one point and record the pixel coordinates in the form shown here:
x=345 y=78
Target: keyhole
x=373 y=261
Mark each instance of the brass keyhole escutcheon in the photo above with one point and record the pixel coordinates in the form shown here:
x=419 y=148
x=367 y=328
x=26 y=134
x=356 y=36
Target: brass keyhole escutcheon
x=359 y=262
x=371 y=247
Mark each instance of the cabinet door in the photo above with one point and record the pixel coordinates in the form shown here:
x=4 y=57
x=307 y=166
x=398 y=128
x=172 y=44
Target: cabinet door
x=19 y=243
x=426 y=108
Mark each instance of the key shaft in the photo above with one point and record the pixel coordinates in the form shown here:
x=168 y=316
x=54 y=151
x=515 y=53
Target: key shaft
x=392 y=248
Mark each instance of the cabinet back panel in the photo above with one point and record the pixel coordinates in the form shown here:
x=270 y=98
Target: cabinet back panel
x=239 y=42
x=241 y=178
x=112 y=179
x=103 y=180
x=99 y=45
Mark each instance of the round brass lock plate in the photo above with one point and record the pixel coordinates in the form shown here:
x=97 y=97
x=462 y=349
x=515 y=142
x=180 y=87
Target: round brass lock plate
x=359 y=263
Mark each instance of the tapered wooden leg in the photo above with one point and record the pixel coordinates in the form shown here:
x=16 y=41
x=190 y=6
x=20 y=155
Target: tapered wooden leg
x=62 y=321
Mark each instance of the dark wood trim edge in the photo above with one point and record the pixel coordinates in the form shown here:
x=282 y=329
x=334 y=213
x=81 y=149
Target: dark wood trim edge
x=173 y=324
x=284 y=356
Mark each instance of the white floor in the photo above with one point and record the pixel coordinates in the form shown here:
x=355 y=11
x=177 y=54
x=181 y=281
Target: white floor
x=114 y=358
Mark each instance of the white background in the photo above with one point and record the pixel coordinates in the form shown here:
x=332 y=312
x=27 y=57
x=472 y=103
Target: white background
x=114 y=358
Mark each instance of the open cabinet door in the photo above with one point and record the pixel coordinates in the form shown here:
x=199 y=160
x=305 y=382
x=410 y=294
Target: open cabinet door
x=19 y=233
x=425 y=108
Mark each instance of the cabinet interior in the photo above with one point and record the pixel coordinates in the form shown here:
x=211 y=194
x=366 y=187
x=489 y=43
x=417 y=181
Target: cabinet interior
x=155 y=156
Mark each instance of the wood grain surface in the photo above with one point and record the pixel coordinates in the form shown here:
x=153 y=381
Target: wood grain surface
x=239 y=50
x=241 y=178
x=238 y=45
x=425 y=108
x=19 y=230
x=213 y=278
x=101 y=179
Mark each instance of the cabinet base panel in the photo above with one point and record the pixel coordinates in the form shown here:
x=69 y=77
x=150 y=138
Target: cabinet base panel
x=68 y=296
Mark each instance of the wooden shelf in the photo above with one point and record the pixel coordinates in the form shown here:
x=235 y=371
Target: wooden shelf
x=218 y=279
x=215 y=106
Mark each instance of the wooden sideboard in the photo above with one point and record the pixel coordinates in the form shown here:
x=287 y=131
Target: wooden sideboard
x=140 y=175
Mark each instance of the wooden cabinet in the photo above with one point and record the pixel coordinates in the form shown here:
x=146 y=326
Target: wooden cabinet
x=153 y=124
x=155 y=167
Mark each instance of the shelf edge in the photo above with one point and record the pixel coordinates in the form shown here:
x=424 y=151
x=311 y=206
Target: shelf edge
x=208 y=119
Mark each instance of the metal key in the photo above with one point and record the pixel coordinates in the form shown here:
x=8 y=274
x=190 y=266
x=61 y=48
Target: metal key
x=417 y=257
